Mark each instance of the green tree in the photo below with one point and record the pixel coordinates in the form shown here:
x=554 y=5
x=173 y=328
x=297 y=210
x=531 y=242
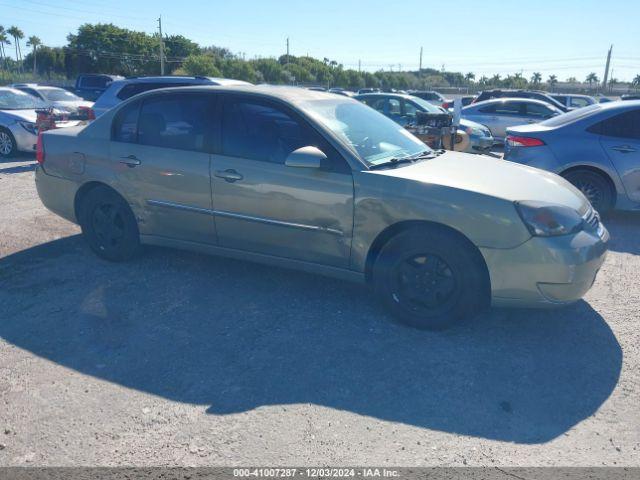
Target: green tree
x=635 y=83
x=552 y=81
x=17 y=35
x=591 y=79
x=201 y=65
x=4 y=40
x=34 y=42
x=470 y=77
x=536 y=78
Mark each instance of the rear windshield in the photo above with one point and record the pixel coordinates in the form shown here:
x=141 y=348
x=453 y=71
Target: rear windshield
x=59 y=95
x=572 y=116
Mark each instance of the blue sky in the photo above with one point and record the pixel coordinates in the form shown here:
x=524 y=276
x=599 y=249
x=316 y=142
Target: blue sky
x=566 y=38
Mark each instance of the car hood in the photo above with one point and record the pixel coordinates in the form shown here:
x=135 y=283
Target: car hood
x=20 y=115
x=492 y=177
x=468 y=123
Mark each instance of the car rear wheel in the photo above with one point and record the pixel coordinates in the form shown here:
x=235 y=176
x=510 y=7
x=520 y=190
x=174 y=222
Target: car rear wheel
x=8 y=145
x=108 y=225
x=595 y=187
x=430 y=278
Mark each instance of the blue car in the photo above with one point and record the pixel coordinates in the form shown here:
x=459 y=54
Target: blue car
x=402 y=108
x=596 y=148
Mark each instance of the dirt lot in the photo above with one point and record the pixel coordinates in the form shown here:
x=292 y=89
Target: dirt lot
x=182 y=359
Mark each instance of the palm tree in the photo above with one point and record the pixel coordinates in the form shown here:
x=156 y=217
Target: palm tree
x=4 y=40
x=572 y=80
x=17 y=35
x=552 y=81
x=591 y=79
x=470 y=77
x=34 y=42
x=536 y=78
x=635 y=83
x=495 y=80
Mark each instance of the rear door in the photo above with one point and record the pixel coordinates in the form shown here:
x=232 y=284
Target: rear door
x=160 y=152
x=263 y=206
x=620 y=138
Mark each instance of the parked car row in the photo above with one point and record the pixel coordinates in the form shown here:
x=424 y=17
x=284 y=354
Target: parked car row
x=403 y=110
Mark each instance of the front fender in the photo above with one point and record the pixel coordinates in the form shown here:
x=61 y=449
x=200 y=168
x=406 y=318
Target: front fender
x=381 y=202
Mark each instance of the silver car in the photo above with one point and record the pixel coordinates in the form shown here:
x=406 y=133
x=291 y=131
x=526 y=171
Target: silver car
x=62 y=100
x=501 y=113
x=17 y=121
x=323 y=183
x=597 y=148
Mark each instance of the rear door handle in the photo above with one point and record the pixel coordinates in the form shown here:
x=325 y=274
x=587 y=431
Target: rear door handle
x=623 y=149
x=130 y=161
x=229 y=175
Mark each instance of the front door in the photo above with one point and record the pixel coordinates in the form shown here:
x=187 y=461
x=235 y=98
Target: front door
x=160 y=154
x=263 y=206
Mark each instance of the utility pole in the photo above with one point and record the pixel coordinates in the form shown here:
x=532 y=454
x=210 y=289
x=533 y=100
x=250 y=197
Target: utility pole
x=161 y=46
x=359 y=67
x=287 y=49
x=420 y=69
x=606 y=69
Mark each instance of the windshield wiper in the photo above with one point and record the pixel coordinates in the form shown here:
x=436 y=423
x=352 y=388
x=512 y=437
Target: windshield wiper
x=408 y=159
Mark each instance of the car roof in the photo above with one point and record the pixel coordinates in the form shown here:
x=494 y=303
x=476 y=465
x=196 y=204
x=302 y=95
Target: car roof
x=511 y=99
x=383 y=94
x=287 y=93
x=180 y=79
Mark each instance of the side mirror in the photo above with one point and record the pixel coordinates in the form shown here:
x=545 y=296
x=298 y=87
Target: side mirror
x=306 y=157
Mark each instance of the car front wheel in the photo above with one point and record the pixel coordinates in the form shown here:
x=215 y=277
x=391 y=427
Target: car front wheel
x=7 y=144
x=430 y=278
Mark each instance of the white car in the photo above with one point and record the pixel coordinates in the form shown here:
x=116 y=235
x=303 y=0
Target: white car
x=18 y=130
x=58 y=98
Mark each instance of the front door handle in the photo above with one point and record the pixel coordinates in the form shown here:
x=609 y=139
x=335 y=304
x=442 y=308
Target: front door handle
x=229 y=175
x=130 y=161
x=623 y=149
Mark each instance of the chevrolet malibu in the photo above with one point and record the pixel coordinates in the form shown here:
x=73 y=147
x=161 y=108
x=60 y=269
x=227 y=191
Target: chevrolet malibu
x=322 y=183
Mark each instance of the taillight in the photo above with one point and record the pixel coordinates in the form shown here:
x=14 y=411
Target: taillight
x=447 y=105
x=40 y=150
x=514 y=141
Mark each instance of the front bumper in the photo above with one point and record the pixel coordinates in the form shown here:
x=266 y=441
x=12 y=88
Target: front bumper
x=25 y=141
x=546 y=271
x=480 y=144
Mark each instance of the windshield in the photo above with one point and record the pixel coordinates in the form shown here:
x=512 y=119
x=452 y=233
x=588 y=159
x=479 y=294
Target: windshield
x=58 y=95
x=372 y=136
x=572 y=116
x=428 y=107
x=17 y=100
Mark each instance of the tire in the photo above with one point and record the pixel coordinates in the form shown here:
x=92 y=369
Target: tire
x=8 y=146
x=430 y=278
x=108 y=225
x=595 y=187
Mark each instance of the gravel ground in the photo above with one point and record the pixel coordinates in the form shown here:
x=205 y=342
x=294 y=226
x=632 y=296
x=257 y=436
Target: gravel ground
x=183 y=359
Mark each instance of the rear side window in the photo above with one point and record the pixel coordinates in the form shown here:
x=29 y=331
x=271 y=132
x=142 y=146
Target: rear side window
x=94 y=82
x=579 y=102
x=624 y=125
x=508 y=108
x=180 y=122
x=377 y=103
x=132 y=89
x=125 y=125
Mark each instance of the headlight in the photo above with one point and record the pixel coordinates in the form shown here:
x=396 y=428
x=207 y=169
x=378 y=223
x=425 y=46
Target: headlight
x=29 y=127
x=549 y=220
